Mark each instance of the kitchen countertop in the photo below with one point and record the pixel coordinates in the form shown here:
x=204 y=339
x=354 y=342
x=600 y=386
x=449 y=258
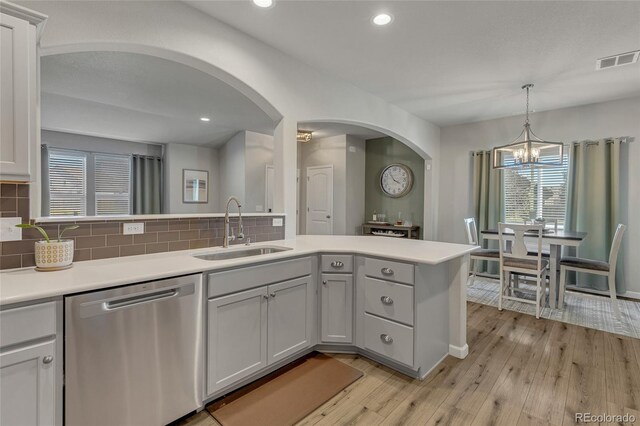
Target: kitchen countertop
x=26 y=284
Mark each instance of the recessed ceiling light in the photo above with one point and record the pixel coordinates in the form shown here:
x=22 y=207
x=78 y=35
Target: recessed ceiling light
x=263 y=3
x=205 y=119
x=382 y=19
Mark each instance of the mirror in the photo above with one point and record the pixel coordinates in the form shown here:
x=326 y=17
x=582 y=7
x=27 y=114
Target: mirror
x=128 y=134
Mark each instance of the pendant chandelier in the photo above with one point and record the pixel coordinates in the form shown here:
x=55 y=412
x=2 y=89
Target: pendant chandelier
x=527 y=150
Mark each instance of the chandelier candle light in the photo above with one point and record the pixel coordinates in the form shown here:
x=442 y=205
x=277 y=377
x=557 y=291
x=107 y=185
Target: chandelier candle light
x=527 y=150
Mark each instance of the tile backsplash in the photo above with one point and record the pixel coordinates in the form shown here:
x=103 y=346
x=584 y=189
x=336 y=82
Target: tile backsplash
x=104 y=239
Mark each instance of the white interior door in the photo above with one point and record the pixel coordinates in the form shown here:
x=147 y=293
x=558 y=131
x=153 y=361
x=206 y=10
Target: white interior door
x=269 y=181
x=320 y=200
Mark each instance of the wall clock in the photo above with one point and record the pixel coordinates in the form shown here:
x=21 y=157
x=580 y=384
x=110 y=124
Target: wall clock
x=396 y=180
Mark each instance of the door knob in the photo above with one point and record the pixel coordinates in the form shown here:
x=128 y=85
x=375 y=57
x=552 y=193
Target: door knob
x=47 y=359
x=386 y=300
x=272 y=295
x=324 y=282
x=328 y=216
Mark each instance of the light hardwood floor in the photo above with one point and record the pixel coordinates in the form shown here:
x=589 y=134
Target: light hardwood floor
x=519 y=371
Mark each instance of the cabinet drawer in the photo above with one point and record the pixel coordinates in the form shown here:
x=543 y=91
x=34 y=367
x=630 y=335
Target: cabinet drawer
x=337 y=263
x=244 y=278
x=389 y=300
x=389 y=270
x=389 y=338
x=27 y=323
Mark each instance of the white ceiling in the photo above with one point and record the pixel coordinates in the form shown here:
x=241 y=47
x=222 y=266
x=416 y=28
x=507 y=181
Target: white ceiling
x=453 y=62
x=142 y=99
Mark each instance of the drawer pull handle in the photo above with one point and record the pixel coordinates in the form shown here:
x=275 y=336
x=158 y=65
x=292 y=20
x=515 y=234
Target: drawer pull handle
x=47 y=359
x=386 y=271
x=337 y=264
x=386 y=339
x=386 y=300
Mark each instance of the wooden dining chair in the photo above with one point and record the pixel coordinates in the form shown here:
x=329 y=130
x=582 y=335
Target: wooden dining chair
x=521 y=261
x=597 y=267
x=491 y=255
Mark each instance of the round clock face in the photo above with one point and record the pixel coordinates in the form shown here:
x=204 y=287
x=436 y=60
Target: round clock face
x=396 y=180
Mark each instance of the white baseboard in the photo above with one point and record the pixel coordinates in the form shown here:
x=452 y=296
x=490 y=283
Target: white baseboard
x=631 y=294
x=459 y=352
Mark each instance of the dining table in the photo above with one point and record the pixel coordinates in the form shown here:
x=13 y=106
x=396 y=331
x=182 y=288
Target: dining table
x=556 y=239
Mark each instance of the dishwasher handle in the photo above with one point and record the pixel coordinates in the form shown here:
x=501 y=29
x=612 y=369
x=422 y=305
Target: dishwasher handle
x=137 y=300
x=107 y=305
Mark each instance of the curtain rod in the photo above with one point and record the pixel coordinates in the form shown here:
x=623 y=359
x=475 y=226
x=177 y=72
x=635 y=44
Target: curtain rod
x=623 y=139
x=46 y=146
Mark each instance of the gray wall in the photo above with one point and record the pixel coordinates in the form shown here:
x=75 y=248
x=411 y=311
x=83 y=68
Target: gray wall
x=348 y=180
x=355 y=185
x=380 y=153
x=258 y=154
x=231 y=156
x=595 y=121
x=243 y=161
x=182 y=156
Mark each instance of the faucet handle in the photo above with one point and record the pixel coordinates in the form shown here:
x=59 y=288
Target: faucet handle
x=248 y=241
x=232 y=235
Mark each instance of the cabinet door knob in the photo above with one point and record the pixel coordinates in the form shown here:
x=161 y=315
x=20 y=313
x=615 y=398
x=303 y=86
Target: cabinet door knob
x=324 y=282
x=337 y=264
x=47 y=359
x=265 y=296
x=386 y=300
x=386 y=338
x=272 y=295
x=386 y=271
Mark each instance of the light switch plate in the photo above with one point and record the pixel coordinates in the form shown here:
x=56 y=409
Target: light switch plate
x=277 y=221
x=133 y=228
x=8 y=230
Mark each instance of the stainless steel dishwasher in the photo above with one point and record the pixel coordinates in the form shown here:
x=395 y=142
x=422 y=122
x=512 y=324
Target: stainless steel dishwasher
x=134 y=354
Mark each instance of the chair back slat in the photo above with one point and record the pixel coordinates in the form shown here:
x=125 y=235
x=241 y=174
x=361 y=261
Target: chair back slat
x=472 y=230
x=518 y=246
x=615 y=246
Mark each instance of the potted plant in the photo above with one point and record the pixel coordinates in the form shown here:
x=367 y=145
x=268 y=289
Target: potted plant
x=52 y=255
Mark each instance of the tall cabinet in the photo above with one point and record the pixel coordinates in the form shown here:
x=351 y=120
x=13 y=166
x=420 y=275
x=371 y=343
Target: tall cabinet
x=19 y=105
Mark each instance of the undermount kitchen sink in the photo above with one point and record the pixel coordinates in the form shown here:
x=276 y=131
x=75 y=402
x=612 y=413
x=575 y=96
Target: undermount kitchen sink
x=234 y=254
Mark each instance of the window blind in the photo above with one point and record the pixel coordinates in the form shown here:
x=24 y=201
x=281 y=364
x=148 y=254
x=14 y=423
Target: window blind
x=536 y=192
x=67 y=183
x=113 y=184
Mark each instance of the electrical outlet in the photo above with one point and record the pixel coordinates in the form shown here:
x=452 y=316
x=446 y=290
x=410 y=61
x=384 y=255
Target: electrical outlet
x=8 y=230
x=133 y=228
x=277 y=221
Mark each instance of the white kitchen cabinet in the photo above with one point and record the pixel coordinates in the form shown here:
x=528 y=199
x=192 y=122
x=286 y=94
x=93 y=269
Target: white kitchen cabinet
x=336 y=308
x=31 y=365
x=290 y=317
x=252 y=329
x=18 y=93
x=28 y=385
x=237 y=337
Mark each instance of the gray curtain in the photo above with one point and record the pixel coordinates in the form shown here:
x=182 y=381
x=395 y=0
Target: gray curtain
x=147 y=184
x=487 y=201
x=594 y=205
x=44 y=186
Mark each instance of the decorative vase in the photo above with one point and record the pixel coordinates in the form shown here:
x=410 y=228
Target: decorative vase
x=54 y=255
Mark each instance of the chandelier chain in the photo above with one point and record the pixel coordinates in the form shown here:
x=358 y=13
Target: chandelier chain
x=527 y=111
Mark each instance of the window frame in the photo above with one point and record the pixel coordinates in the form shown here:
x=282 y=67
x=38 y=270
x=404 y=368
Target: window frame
x=539 y=199
x=90 y=180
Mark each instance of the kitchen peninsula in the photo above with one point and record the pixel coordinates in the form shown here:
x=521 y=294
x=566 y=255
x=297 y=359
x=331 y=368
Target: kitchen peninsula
x=400 y=302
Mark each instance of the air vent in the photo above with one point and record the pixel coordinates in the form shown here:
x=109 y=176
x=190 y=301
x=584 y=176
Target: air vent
x=617 y=60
